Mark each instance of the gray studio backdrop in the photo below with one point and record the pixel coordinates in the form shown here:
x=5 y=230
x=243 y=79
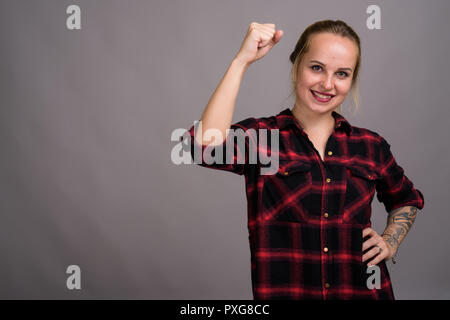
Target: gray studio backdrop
x=86 y=118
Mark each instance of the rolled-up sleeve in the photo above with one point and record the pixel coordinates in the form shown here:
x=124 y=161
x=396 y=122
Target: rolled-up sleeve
x=241 y=141
x=394 y=189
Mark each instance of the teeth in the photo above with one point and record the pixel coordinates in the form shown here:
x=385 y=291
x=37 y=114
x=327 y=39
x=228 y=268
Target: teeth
x=322 y=96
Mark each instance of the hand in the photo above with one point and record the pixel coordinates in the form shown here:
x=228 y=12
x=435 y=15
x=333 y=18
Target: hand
x=387 y=252
x=260 y=38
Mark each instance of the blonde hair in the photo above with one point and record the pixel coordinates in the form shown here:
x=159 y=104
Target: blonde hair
x=337 y=27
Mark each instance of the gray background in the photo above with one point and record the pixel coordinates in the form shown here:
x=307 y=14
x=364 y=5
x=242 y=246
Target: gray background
x=86 y=118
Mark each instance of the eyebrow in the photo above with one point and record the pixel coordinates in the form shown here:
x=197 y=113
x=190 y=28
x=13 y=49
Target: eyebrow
x=324 y=65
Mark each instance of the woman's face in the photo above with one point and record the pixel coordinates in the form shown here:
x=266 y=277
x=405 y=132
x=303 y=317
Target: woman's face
x=326 y=68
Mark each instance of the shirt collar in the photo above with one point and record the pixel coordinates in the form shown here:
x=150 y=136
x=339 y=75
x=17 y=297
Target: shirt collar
x=285 y=118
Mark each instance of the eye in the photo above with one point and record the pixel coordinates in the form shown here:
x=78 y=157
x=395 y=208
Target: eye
x=343 y=74
x=315 y=66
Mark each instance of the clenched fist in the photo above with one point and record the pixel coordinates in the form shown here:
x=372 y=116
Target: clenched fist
x=260 y=38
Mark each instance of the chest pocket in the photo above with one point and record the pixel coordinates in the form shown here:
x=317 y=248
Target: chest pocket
x=282 y=195
x=363 y=172
x=361 y=182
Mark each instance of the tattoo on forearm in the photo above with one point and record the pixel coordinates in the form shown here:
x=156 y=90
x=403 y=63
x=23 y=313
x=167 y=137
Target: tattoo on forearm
x=399 y=223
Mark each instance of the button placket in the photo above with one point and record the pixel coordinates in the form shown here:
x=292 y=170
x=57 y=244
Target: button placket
x=325 y=255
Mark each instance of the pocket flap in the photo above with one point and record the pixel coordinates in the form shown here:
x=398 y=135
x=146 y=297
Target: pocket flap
x=362 y=171
x=289 y=168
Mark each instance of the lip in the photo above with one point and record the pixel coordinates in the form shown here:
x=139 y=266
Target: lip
x=325 y=94
x=320 y=99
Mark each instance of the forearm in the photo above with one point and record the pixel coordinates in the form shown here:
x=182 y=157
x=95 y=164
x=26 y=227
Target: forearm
x=399 y=223
x=218 y=113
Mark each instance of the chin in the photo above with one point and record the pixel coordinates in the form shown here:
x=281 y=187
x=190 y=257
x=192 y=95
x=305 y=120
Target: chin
x=321 y=108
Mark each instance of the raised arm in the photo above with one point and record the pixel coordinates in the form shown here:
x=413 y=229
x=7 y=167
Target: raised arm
x=218 y=113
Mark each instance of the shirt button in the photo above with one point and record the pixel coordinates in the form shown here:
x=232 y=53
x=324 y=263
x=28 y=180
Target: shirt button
x=330 y=153
x=325 y=249
x=328 y=180
x=325 y=214
x=286 y=173
x=327 y=285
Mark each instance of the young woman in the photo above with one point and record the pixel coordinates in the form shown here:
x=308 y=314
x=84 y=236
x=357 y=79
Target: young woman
x=309 y=224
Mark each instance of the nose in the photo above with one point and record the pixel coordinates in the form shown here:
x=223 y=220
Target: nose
x=327 y=82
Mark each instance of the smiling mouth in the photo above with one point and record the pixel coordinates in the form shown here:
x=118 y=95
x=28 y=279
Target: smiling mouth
x=321 y=97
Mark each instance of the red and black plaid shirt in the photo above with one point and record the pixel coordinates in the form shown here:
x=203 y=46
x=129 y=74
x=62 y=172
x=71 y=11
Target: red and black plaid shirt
x=305 y=222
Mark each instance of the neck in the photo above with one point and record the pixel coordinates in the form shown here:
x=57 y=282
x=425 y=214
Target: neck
x=312 y=121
